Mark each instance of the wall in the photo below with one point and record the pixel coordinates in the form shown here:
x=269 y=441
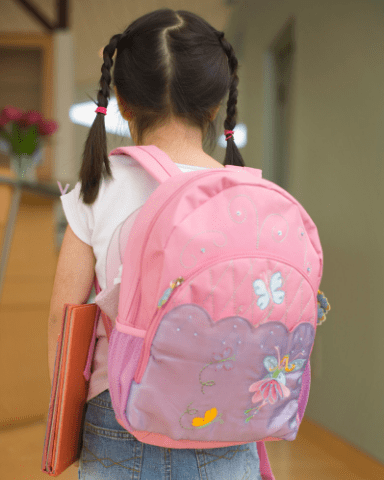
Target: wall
x=336 y=172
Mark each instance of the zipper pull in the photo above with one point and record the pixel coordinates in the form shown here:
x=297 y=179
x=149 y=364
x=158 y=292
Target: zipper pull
x=165 y=297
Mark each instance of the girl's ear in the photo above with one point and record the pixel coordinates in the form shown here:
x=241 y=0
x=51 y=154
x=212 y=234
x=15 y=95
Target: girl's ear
x=124 y=110
x=126 y=113
x=214 y=112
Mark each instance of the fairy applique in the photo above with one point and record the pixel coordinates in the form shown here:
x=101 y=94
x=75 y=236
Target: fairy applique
x=273 y=386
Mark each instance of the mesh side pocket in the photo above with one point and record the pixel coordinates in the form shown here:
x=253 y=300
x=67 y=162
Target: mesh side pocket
x=123 y=359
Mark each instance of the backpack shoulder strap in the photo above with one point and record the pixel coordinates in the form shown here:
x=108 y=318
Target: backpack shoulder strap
x=152 y=159
x=160 y=166
x=253 y=171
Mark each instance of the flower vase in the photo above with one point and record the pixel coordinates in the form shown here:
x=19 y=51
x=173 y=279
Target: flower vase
x=24 y=165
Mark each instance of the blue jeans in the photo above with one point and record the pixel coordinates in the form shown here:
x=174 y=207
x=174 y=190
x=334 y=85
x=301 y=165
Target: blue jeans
x=110 y=452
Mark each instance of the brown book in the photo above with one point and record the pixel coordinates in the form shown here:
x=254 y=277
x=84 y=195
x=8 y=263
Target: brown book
x=63 y=437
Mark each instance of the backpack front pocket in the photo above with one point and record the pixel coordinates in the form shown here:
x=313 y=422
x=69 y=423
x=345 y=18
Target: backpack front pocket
x=228 y=370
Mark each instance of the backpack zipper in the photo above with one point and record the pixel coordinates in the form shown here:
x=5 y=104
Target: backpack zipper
x=159 y=311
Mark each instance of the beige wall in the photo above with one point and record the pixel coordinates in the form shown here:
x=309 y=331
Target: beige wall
x=336 y=172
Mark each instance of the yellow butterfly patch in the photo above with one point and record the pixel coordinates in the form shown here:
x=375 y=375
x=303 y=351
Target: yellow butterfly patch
x=209 y=416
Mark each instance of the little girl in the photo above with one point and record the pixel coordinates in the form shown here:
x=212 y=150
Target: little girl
x=172 y=72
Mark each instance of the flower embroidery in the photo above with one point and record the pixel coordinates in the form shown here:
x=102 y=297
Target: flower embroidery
x=323 y=307
x=224 y=359
x=221 y=360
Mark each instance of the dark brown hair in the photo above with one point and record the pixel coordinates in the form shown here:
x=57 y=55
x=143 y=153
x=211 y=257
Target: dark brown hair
x=166 y=63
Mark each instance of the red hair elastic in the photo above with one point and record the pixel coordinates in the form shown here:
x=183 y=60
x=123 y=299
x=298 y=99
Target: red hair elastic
x=228 y=134
x=101 y=110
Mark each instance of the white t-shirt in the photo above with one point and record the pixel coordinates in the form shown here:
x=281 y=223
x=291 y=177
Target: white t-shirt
x=95 y=224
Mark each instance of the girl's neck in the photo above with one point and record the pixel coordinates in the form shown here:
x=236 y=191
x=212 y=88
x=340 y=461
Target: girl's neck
x=182 y=143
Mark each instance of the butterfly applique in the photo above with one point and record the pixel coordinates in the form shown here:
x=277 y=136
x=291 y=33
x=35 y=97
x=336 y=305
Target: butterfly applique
x=209 y=417
x=273 y=292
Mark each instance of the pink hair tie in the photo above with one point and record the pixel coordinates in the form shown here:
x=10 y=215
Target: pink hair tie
x=101 y=110
x=228 y=134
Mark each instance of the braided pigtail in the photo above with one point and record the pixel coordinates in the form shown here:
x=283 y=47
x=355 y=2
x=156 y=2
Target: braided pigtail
x=232 y=154
x=95 y=157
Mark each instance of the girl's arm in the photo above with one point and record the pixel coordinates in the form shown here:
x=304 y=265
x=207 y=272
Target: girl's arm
x=73 y=283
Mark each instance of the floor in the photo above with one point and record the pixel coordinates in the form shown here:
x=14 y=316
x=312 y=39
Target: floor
x=314 y=455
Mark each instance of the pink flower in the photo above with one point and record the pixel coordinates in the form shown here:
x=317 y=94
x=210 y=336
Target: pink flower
x=26 y=119
x=48 y=128
x=268 y=390
x=11 y=113
x=3 y=120
x=31 y=117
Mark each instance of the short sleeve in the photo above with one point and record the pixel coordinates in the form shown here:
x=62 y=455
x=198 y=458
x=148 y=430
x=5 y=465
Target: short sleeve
x=78 y=214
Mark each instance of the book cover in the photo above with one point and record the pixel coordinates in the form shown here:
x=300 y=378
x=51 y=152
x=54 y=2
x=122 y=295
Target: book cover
x=63 y=437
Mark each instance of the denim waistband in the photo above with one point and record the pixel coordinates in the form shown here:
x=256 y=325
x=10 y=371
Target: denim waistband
x=102 y=400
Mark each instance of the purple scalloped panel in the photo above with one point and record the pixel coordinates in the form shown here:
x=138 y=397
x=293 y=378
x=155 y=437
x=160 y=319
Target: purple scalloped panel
x=222 y=381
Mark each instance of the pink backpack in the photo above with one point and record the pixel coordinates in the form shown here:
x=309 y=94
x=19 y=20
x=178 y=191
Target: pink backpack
x=217 y=309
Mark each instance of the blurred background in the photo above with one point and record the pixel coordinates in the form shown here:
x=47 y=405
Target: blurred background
x=310 y=109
